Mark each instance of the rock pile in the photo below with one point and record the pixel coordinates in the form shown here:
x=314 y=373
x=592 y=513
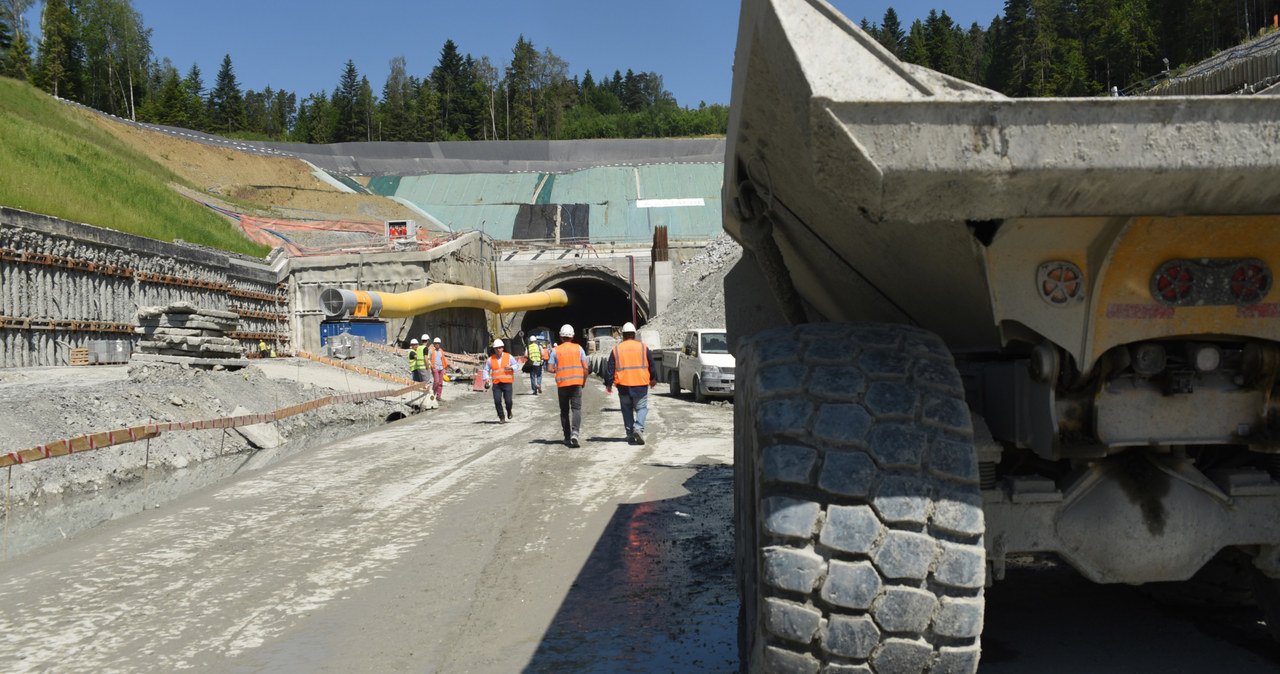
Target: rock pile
x=698 y=300
x=180 y=329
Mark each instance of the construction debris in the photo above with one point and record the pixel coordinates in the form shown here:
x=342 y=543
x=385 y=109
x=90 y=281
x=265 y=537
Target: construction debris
x=181 y=329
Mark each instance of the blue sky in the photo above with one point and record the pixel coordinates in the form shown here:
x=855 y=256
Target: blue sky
x=304 y=46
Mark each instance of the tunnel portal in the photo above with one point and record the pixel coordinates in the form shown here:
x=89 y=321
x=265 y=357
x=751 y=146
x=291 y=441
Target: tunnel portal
x=597 y=296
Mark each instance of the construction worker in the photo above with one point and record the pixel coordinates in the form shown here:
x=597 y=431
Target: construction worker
x=499 y=372
x=262 y=348
x=537 y=355
x=416 y=361
x=631 y=367
x=569 y=364
x=437 y=362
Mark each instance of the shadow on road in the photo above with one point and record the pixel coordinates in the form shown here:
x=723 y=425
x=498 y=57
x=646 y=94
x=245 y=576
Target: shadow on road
x=1049 y=619
x=657 y=593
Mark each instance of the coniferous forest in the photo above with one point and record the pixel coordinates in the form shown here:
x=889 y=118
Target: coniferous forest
x=97 y=52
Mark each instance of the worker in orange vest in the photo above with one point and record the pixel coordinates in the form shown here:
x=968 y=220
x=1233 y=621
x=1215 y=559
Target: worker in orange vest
x=631 y=367
x=569 y=364
x=500 y=373
x=437 y=362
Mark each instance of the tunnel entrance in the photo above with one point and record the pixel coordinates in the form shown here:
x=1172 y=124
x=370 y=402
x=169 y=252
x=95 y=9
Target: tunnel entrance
x=597 y=296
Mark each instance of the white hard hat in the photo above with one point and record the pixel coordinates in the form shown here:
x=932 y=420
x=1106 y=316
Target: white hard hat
x=628 y=327
x=413 y=341
x=425 y=338
x=533 y=340
x=436 y=340
x=497 y=343
x=566 y=330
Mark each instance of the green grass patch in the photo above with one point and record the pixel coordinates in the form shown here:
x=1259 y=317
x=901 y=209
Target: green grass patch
x=55 y=161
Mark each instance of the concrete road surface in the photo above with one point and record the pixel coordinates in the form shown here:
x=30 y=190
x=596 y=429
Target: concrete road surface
x=450 y=543
x=442 y=543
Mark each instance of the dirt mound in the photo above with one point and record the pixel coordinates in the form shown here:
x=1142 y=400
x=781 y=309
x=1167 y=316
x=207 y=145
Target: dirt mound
x=276 y=186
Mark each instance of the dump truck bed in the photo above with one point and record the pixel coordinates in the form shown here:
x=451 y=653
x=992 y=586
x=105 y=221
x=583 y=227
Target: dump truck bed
x=888 y=177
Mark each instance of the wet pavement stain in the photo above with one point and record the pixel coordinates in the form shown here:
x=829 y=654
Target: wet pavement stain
x=657 y=593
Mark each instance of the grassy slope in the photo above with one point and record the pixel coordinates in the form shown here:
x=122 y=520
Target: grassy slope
x=55 y=161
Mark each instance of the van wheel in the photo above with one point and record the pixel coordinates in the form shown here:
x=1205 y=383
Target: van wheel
x=674 y=385
x=858 y=515
x=698 y=395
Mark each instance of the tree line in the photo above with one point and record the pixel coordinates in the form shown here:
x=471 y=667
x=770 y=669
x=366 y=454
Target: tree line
x=1075 y=47
x=98 y=52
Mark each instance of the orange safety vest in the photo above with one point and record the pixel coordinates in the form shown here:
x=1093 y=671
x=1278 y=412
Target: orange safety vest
x=431 y=358
x=630 y=364
x=570 y=370
x=500 y=370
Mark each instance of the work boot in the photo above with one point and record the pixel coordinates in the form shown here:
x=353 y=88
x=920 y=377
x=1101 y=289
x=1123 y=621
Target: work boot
x=639 y=437
x=573 y=442
x=502 y=420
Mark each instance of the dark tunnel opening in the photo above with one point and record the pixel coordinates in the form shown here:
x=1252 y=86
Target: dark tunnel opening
x=591 y=302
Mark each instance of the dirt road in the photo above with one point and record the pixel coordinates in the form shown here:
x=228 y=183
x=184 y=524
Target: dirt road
x=443 y=543
x=449 y=543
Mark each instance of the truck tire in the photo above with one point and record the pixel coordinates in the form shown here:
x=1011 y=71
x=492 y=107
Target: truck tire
x=858 y=515
x=674 y=385
x=698 y=394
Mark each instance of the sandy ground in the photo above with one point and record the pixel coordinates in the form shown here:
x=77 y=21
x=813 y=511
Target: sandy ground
x=281 y=187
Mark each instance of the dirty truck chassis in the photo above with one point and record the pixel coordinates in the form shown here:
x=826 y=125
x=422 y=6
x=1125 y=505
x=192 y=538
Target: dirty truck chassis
x=1161 y=458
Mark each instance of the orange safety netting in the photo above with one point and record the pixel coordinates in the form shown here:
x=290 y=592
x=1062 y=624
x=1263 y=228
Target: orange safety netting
x=276 y=232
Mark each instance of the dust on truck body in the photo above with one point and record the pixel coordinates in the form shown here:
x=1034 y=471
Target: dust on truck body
x=969 y=326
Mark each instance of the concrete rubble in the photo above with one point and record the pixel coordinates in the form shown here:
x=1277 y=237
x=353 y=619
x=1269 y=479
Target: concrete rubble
x=181 y=329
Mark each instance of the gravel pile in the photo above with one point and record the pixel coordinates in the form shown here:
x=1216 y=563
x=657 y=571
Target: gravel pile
x=59 y=403
x=698 y=301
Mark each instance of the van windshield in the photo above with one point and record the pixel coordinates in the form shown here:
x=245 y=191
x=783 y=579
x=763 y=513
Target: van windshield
x=714 y=342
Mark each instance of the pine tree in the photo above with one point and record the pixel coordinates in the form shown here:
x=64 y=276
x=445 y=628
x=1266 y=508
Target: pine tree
x=6 y=35
x=916 y=47
x=58 y=68
x=397 y=97
x=366 y=103
x=345 y=113
x=447 y=78
x=226 y=102
x=193 y=99
x=16 y=62
x=283 y=113
x=891 y=34
x=524 y=57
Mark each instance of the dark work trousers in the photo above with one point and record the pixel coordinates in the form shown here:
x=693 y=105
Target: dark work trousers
x=570 y=400
x=501 y=394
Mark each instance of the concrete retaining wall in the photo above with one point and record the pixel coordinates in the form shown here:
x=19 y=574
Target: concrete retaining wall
x=64 y=284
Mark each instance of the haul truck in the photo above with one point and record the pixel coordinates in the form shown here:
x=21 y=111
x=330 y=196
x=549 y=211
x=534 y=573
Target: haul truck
x=969 y=326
